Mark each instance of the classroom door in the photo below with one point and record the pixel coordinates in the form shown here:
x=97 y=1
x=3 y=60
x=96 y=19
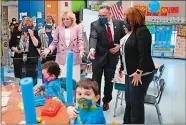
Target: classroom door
x=51 y=8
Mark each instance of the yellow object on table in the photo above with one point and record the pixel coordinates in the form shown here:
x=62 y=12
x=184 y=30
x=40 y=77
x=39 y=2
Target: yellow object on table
x=55 y=98
x=20 y=105
x=114 y=122
x=39 y=119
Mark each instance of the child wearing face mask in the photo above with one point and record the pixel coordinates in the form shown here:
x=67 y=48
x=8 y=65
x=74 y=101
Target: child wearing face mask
x=52 y=85
x=87 y=112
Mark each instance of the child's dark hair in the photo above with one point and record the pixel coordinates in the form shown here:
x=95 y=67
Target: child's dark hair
x=52 y=68
x=88 y=83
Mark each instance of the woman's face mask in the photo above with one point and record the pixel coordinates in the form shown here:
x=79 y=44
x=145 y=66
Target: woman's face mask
x=14 y=22
x=25 y=28
x=85 y=103
x=49 y=26
x=127 y=25
x=67 y=23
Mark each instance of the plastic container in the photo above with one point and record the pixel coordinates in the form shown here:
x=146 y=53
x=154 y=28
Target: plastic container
x=40 y=100
x=51 y=108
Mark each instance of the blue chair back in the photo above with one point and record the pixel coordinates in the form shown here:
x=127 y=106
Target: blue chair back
x=63 y=83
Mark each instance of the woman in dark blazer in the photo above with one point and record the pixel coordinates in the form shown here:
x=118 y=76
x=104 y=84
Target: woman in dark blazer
x=138 y=64
x=24 y=44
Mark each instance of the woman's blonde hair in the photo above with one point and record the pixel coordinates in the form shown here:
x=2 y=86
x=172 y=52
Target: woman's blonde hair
x=70 y=15
x=28 y=21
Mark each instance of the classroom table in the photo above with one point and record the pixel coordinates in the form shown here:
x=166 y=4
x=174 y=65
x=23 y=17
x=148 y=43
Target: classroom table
x=13 y=115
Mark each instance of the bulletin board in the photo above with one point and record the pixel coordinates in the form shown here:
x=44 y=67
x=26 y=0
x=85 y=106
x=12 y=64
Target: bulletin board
x=180 y=49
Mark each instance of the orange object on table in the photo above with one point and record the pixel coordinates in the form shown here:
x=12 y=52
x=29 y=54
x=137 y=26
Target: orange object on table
x=13 y=115
x=51 y=108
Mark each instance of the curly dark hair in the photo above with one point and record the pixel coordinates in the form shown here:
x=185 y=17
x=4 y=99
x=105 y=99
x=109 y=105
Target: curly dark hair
x=52 y=68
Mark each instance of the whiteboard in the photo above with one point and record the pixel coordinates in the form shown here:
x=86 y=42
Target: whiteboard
x=89 y=16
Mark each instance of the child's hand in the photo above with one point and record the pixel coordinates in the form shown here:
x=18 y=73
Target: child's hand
x=36 y=91
x=72 y=112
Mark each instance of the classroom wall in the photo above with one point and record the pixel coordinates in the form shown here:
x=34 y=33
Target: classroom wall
x=180 y=4
x=12 y=13
x=62 y=8
x=76 y=5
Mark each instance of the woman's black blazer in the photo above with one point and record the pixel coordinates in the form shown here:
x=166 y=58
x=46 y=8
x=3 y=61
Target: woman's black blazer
x=138 y=51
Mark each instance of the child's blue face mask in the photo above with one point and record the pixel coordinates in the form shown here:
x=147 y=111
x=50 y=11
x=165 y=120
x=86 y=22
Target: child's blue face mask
x=85 y=103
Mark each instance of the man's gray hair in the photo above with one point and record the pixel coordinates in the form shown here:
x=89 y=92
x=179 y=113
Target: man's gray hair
x=105 y=6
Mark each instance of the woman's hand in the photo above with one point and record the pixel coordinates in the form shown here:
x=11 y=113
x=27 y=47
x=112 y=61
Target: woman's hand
x=16 y=50
x=31 y=32
x=81 y=54
x=136 y=79
x=72 y=112
x=45 y=52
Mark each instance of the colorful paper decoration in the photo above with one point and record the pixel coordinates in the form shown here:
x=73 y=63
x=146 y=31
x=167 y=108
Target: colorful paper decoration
x=173 y=10
x=142 y=8
x=180 y=48
x=154 y=6
x=164 y=11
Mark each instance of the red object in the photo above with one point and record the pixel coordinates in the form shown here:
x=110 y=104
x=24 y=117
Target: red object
x=164 y=11
x=152 y=14
x=66 y=4
x=51 y=108
x=144 y=9
x=109 y=34
x=173 y=10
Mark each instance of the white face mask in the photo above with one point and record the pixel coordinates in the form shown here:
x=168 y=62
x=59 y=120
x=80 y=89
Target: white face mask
x=14 y=22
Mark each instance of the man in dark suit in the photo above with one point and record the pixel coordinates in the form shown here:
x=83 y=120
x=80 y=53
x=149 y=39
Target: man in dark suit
x=104 y=42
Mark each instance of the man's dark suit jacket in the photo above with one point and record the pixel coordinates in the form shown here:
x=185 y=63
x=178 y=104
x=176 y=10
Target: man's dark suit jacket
x=100 y=42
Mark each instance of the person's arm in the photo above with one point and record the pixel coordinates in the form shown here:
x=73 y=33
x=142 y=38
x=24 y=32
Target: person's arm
x=122 y=35
x=143 y=38
x=59 y=92
x=35 y=38
x=55 y=41
x=13 y=42
x=80 y=40
x=122 y=31
x=41 y=88
x=93 y=38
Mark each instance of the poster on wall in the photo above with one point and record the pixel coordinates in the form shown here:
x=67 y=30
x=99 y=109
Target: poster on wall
x=142 y=8
x=174 y=10
x=180 y=48
x=164 y=11
x=152 y=14
x=163 y=35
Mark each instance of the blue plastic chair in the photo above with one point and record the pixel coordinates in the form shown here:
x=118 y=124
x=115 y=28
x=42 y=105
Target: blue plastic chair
x=120 y=87
x=63 y=86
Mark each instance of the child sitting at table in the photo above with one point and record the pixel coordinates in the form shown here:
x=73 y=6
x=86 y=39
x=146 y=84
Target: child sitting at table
x=87 y=112
x=52 y=85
